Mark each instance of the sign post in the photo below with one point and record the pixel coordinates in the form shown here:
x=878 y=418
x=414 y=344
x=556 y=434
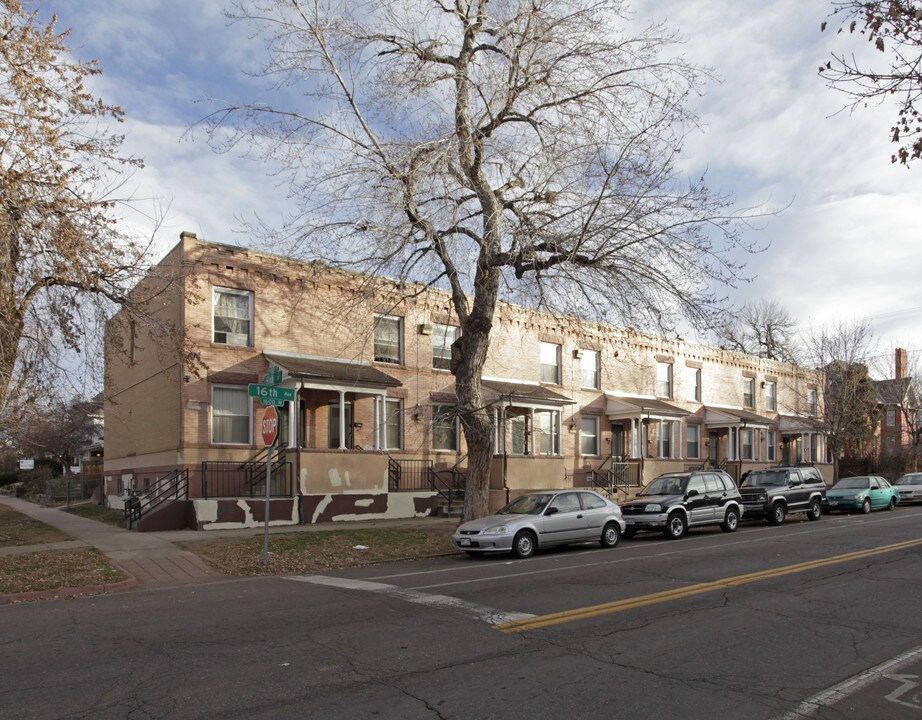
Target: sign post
x=269 y=431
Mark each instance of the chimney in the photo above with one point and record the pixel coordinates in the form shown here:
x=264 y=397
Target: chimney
x=901 y=369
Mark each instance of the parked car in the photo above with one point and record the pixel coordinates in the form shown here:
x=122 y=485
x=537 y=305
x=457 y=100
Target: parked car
x=775 y=493
x=543 y=519
x=864 y=493
x=910 y=487
x=677 y=501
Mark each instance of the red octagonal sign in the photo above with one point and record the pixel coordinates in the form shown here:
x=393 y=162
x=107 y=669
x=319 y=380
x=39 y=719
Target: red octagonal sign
x=270 y=426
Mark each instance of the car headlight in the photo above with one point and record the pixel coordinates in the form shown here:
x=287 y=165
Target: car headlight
x=653 y=507
x=497 y=530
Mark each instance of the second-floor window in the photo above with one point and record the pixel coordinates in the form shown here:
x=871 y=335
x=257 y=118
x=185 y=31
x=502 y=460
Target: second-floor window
x=232 y=317
x=589 y=369
x=388 y=345
x=811 y=402
x=694 y=384
x=549 y=357
x=664 y=380
x=442 y=338
x=749 y=392
x=771 y=396
x=891 y=417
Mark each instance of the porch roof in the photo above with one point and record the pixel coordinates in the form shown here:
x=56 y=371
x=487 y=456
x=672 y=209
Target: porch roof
x=522 y=394
x=793 y=424
x=621 y=407
x=727 y=417
x=326 y=372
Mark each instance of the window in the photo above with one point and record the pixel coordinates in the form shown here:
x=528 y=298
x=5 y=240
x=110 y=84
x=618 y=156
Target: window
x=693 y=441
x=694 y=383
x=550 y=363
x=232 y=317
x=333 y=426
x=393 y=425
x=891 y=417
x=591 y=501
x=589 y=368
x=749 y=392
x=444 y=428
x=230 y=415
x=771 y=396
x=770 y=444
x=567 y=502
x=746 y=441
x=589 y=436
x=548 y=422
x=388 y=339
x=516 y=437
x=664 y=380
x=665 y=438
x=442 y=338
x=811 y=402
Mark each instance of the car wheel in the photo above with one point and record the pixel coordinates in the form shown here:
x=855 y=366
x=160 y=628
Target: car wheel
x=777 y=514
x=815 y=511
x=892 y=504
x=675 y=526
x=523 y=545
x=611 y=534
x=866 y=506
x=629 y=533
x=731 y=520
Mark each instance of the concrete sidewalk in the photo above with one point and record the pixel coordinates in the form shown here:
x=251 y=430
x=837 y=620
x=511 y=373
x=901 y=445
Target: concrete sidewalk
x=152 y=559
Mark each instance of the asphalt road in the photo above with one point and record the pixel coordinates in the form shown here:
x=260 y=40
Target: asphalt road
x=809 y=619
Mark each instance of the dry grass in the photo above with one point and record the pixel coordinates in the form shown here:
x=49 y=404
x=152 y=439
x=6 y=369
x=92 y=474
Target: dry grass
x=54 y=569
x=103 y=514
x=17 y=529
x=312 y=552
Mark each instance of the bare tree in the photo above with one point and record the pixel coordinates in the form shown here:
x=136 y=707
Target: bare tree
x=893 y=29
x=848 y=404
x=64 y=261
x=764 y=329
x=58 y=430
x=502 y=149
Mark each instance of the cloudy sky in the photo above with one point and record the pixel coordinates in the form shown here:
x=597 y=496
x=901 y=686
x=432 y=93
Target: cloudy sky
x=846 y=247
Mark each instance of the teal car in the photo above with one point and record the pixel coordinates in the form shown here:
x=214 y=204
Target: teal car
x=864 y=493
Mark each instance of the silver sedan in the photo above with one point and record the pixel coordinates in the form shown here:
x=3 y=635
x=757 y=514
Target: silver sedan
x=910 y=487
x=543 y=519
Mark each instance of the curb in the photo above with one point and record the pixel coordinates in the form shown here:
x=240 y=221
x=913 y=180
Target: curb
x=58 y=593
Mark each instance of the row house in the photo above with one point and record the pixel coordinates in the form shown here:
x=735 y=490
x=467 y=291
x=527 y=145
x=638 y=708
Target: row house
x=372 y=431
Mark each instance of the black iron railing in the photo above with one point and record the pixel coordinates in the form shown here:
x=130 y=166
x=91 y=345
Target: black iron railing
x=229 y=478
x=173 y=486
x=408 y=475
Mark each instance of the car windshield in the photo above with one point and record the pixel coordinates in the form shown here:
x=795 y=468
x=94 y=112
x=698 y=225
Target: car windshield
x=666 y=485
x=526 y=505
x=856 y=483
x=767 y=477
x=910 y=480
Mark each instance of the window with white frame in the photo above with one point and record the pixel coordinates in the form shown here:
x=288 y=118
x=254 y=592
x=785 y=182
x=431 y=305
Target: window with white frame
x=388 y=343
x=771 y=441
x=393 y=424
x=811 y=402
x=664 y=442
x=444 y=428
x=749 y=392
x=693 y=376
x=589 y=435
x=771 y=396
x=549 y=357
x=232 y=317
x=693 y=441
x=891 y=417
x=664 y=379
x=517 y=434
x=548 y=422
x=746 y=442
x=230 y=415
x=589 y=369
x=442 y=338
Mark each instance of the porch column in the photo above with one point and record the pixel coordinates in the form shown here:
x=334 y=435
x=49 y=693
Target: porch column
x=293 y=422
x=531 y=435
x=342 y=420
x=377 y=411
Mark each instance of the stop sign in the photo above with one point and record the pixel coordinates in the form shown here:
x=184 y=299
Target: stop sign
x=270 y=426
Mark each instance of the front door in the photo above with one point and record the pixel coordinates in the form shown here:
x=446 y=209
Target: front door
x=713 y=449
x=617 y=442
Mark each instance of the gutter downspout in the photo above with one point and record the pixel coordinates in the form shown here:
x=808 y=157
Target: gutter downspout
x=298 y=447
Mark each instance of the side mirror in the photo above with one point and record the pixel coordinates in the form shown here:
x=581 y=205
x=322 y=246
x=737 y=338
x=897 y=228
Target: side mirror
x=795 y=483
x=691 y=493
x=552 y=511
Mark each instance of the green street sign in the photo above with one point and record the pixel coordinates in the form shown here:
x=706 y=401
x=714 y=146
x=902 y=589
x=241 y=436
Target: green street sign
x=274 y=376
x=274 y=395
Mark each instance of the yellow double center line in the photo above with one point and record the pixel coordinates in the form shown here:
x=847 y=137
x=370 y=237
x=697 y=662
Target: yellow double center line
x=541 y=621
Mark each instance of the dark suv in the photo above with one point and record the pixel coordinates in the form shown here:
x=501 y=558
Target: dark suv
x=677 y=501
x=775 y=493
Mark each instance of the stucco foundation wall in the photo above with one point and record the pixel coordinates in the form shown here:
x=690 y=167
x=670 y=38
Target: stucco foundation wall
x=236 y=513
x=340 y=472
x=536 y=473
x=367 y=506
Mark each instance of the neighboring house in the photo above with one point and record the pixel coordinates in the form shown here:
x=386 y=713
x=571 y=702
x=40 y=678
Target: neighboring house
x=372 y=432
x=898 y=410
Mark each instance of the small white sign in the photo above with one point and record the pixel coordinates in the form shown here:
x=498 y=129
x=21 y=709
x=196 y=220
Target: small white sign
x=27 y=464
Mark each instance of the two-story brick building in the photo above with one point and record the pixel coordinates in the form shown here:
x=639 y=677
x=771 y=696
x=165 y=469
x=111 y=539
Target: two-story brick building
x=372 y=432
